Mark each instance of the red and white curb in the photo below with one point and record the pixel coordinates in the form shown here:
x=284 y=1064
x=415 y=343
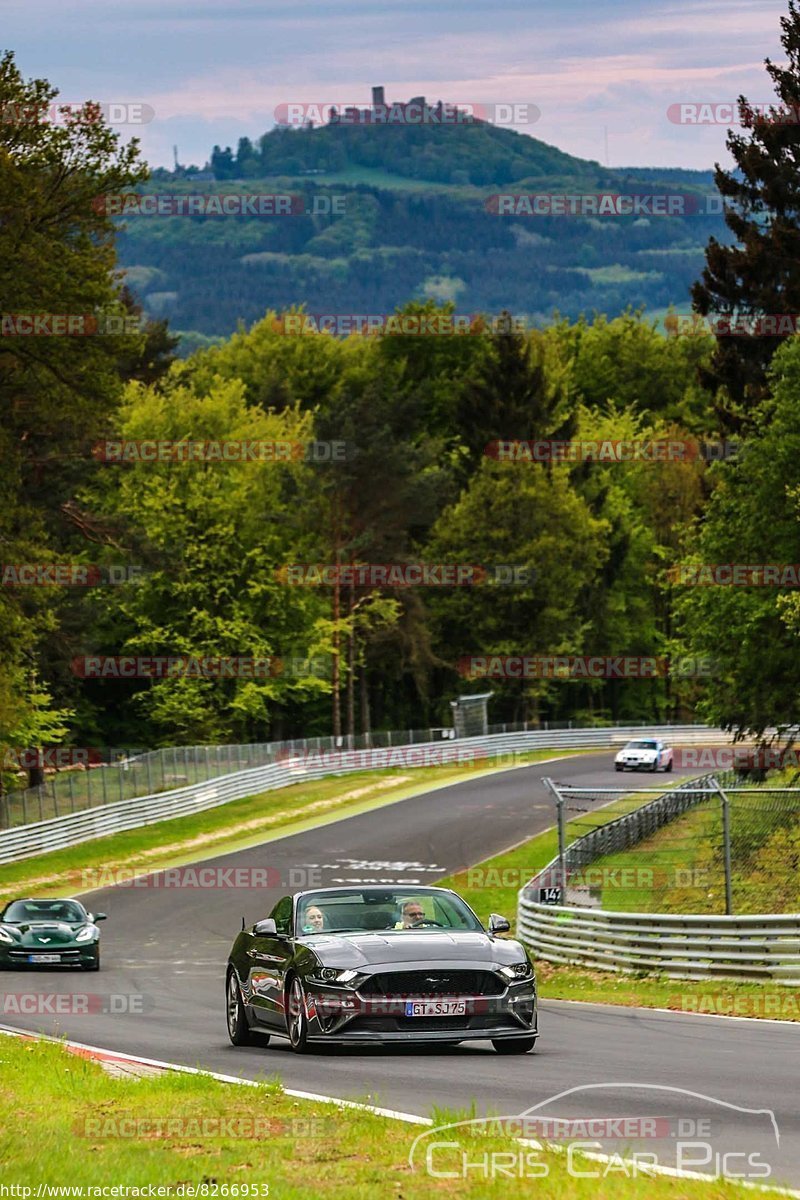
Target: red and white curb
x=127 y=1064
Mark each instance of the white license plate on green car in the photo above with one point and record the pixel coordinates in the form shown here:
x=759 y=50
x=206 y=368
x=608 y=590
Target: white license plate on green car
x=436 y=1008
x=44 y=958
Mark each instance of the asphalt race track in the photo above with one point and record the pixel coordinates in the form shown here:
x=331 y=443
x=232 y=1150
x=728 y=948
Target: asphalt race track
x=168 y=947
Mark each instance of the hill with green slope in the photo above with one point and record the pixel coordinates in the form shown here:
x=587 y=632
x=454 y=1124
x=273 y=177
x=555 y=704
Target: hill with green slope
x=473 y=152
x=390 y=214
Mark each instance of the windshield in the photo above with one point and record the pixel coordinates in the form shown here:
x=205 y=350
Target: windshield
x=397 y=910
x=642 y=746
x=44 y=910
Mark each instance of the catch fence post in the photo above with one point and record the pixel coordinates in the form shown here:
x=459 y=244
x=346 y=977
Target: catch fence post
x=562 y=864
x=726 y=844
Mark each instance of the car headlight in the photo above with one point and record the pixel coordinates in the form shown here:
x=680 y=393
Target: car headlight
x=5 y=936
x=86 y=935
x=518 y=970
x=334 y=975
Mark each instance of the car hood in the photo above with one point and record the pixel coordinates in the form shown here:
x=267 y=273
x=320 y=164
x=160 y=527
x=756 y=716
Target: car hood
x=396 y=950
x=43 y=933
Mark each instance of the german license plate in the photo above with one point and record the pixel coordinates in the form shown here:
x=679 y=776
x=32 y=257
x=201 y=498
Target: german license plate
x=436 y=1008
x=44 y=958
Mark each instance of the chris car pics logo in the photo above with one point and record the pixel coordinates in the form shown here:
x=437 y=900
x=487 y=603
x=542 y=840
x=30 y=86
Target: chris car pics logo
x=606 y=1131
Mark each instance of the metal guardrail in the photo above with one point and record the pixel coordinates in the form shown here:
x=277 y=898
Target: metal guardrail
x=72 y=828
x=129 y=774
x=680 y=946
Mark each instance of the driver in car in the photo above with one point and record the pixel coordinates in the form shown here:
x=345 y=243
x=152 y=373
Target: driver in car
x=412 y=913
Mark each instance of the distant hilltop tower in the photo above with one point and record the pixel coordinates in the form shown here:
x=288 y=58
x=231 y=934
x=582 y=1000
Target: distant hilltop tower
x=378 y=97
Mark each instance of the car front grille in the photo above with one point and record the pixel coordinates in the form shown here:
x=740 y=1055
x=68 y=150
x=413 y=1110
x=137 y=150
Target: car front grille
x=66 y=955
x=433 y=983
x=399 y=1024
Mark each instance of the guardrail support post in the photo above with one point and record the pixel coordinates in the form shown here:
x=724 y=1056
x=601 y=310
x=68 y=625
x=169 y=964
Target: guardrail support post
x=726 y=845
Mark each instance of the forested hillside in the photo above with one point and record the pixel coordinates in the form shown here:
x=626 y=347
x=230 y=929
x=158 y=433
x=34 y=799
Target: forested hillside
x=396 y=213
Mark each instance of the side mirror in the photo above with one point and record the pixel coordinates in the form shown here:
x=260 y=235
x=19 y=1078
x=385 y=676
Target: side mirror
x=266 y=928
x=498 y=924
x=99 y=917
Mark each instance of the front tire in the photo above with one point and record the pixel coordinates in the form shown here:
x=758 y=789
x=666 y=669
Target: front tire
x=514 y=1045
x=297 y=1017
x=617 y=768
x=669 y=765
x=92 y=966
x=238 y=1029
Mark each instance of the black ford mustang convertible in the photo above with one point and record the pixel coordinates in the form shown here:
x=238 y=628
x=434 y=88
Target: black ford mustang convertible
x=380 y=965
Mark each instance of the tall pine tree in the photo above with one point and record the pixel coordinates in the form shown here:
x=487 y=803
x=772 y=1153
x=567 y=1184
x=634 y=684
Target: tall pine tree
x=760 y=275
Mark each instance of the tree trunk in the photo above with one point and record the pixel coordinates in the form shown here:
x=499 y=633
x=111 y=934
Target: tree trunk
x=351 y=670
x=337 y=709
x=364 y=701
x=335 y=663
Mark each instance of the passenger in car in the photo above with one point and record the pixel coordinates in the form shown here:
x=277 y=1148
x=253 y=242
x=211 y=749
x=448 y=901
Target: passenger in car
x=313 y=920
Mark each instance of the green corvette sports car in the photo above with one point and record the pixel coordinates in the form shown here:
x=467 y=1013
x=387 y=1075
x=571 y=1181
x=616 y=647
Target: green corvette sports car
x=49 y=933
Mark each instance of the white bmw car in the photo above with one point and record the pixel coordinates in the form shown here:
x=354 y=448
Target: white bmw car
x=646 y=754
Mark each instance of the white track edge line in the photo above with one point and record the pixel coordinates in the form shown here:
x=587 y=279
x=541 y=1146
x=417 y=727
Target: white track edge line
x=671 y=1012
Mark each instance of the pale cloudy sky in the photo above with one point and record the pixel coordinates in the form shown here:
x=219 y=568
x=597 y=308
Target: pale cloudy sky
x=214 y=70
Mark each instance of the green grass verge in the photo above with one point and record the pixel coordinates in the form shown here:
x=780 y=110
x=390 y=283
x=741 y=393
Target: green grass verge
x=67 y=1123
x=720 y=997
x=236 y=826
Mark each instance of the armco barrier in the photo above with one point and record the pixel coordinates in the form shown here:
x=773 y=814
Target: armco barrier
x=681 y=947
x=73 y=828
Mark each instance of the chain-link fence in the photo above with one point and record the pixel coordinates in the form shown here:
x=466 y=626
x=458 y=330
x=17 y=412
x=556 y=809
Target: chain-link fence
x=76 y=789
x=712 y=845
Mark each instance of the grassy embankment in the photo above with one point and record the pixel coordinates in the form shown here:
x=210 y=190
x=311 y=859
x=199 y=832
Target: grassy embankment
x=169 y=1130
